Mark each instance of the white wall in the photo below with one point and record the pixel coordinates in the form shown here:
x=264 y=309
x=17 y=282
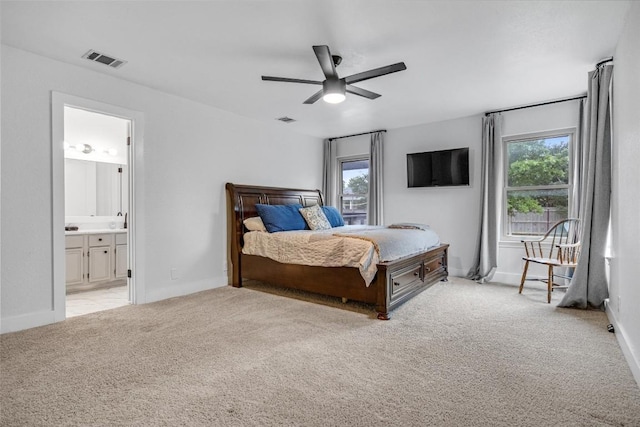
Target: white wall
x=624 y=291
x=353 y=146
x=190 y=151
x=451 y=211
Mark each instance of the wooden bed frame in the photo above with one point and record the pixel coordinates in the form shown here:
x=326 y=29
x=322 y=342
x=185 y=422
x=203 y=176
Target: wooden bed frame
x=395 y=282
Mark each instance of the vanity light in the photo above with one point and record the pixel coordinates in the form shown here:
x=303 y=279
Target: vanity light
x=84 y=148
x=88 y=149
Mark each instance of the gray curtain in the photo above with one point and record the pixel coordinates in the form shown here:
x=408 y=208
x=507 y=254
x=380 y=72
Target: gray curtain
x=375 y=206
x=486 y=256
x=589 y=287
x=329 y=173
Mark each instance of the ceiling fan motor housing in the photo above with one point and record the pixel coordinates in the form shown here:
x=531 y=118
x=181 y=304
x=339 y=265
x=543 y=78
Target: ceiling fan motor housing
x=334 y=86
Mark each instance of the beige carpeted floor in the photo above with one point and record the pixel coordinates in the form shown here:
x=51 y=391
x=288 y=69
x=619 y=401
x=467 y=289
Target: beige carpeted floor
x=459 y=354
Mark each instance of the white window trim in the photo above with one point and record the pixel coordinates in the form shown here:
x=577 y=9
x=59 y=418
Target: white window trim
x=571 y=132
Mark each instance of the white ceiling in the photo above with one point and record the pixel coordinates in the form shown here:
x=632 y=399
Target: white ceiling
x=462 y=57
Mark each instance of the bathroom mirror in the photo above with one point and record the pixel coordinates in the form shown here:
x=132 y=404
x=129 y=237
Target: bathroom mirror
x=95 y=188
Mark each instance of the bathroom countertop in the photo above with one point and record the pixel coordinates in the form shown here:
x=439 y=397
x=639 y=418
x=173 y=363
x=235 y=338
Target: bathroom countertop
x=96 y=231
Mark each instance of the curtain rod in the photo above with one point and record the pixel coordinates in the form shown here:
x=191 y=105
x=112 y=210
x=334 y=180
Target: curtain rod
x=357 y=134
x=536 y=105
x=604 y=61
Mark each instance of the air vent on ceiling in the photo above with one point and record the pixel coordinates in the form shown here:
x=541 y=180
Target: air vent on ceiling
x=286 y=119
x=94 y=56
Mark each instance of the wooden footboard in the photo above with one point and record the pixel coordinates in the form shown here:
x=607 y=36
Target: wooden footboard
x=404 y=278
x=395 y=282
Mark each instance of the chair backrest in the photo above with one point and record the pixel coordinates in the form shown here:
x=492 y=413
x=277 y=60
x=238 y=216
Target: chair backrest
x=564 y=240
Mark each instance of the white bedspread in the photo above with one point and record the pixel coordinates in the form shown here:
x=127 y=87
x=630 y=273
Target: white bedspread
x=349 y=246
x=394 y=243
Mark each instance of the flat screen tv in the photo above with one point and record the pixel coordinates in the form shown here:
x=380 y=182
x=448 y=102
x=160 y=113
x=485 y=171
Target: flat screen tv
x=438 y=168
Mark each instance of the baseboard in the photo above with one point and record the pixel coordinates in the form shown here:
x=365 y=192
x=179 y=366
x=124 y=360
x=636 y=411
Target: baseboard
x=456 y=272
x=507 y=278
x=184 y=289
x=632 y=359
x=27 y=321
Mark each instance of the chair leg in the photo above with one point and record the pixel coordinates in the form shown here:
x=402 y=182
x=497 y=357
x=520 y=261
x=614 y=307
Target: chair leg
x=524 y=276
x=550 y=284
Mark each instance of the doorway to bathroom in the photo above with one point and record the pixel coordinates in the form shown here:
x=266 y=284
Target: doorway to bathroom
x=94 y=175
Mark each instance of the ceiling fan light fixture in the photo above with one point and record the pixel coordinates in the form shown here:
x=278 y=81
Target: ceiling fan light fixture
x=334 y=98
x=334 y=91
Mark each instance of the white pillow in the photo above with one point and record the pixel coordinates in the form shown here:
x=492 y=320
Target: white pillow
x=316 y=219
x=254 y=224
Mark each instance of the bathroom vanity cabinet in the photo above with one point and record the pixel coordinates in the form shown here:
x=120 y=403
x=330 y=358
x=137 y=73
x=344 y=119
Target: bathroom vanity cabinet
x=95 y=259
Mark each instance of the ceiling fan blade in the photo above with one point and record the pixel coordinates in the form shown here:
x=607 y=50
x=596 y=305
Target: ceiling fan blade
x=313 y=98
x=362 y=92
x=326 y=61
x=288 y=80
x=376 y=72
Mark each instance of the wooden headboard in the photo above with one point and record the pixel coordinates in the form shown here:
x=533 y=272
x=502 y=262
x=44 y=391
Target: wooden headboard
x=241 y=204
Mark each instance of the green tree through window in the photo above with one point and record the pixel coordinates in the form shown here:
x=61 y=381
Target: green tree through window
x=537 y=183
x=359 y=184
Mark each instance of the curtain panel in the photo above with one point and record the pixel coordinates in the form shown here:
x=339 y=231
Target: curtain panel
x=589 y=286
x=329 y=173
x=376 y=180
x=486 y=255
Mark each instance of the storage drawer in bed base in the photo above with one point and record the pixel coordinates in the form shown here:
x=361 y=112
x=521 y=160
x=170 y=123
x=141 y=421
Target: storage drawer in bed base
x=405 y=279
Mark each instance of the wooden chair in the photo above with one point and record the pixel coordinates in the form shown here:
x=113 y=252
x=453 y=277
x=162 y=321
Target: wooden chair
x=563 y=239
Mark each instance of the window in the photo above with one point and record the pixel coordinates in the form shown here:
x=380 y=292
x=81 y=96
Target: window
x=537 y=183
x=353 y=193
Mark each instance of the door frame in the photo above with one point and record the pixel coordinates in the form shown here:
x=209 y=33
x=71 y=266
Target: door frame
x=135 y=232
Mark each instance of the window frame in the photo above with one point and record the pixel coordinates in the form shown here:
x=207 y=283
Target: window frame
x=506 y=140
x=339 y=184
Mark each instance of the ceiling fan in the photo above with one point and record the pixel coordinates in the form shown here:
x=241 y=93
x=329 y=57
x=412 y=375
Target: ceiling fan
x=333 y=87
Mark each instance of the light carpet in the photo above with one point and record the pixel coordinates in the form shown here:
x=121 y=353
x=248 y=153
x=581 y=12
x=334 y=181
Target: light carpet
x=459 y=354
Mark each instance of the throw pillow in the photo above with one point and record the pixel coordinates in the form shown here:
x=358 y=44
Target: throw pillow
x=281 y=217
x=315 y=217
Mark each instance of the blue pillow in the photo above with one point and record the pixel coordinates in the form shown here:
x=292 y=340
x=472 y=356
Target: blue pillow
x=281 y=217
x=333 y=215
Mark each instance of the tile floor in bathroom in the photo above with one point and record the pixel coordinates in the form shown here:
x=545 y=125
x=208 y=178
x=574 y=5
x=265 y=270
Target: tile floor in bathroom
x=91 y=301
